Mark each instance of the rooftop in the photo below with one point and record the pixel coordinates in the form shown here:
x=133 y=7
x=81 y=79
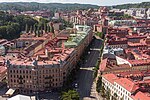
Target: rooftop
x=127 y=84
x=76 y=38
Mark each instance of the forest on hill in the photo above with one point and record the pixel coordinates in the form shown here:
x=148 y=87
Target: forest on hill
x=136 y=5
x=33 y=6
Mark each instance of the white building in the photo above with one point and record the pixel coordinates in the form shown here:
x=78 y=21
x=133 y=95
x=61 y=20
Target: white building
x=148 y=13
x=122 y=88
x=139 y=13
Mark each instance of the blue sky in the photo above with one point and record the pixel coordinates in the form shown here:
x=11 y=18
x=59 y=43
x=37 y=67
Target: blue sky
x=97 y=2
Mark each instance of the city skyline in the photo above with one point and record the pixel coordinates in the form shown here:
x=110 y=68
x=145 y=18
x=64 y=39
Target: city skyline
x=97 y=2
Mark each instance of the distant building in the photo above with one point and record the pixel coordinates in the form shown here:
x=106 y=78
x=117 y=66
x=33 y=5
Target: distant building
x=57 y=15
x=122 y=22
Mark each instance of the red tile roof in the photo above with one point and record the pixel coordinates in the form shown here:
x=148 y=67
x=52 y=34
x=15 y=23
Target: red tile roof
x=110 y=77
x=139 y=62
x=127 y=84
x=2 y=69
x=141 y=96
x=102 y=65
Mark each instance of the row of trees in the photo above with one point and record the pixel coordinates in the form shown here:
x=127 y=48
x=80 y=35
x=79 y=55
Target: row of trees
x=11 y=26
x=38 y=29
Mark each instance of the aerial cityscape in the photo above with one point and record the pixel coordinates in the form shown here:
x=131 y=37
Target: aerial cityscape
x=67 y=50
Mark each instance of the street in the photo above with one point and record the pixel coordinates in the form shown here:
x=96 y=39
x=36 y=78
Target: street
x=85 y=76
x=86 y=85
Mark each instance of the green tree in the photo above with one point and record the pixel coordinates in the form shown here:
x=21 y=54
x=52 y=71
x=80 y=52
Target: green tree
x=99 y=84
x=70 y=95
x=10 y=31
x=108 y=94
x=114 y=97
x=35 y=29
x=27 y=28
x=3 y=32
x=41 y=32
x=31 y=29
x=38 y=33
x=48 y=28
x=103 y=91
x=45 y=27
x=51 y=28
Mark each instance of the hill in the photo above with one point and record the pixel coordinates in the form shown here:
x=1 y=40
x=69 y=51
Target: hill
x=137 y=5
x=33 y=6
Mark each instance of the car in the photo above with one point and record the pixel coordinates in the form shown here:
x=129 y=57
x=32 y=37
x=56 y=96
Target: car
x=76 y=85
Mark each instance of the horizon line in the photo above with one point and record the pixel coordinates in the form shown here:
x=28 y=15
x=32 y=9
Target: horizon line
x=70 y=3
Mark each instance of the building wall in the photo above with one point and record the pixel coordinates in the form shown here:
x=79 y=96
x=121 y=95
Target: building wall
x=40 y=77
x=128 y=69
x=115 y=88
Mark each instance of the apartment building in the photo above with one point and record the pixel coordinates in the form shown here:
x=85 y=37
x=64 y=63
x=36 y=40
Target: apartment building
x=126 y=88
x=45 y=64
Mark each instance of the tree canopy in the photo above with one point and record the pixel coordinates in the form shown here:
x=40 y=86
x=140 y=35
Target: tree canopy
x=11 y=26
x=34 y=6
x=136 y=5
x=70 y=95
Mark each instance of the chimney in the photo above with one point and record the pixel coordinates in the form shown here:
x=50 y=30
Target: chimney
x=46 y=52
x=37 y=58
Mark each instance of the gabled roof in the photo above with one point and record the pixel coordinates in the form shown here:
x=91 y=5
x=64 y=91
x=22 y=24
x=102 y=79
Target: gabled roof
x=141 y=96
x=127 y=84
x=110 y=77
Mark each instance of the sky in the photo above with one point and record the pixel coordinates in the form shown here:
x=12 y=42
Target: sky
x=95 y=2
